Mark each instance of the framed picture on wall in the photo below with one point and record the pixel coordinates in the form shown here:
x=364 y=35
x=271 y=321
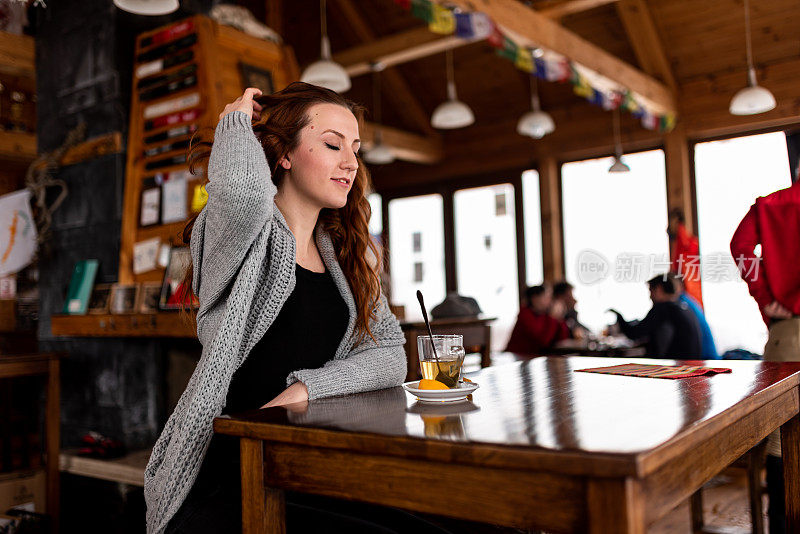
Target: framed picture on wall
x=123 y=298
x=149 y=294
x=253 y=76
x=99 y=301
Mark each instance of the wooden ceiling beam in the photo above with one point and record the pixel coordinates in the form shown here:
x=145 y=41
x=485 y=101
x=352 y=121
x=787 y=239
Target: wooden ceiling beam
x=397 y=49
x=557 y=9
x=396 y=87
x=644 y=39
x=529 y=28
x=404 y=145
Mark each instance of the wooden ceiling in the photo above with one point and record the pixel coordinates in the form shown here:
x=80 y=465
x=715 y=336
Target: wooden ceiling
x=697 y=46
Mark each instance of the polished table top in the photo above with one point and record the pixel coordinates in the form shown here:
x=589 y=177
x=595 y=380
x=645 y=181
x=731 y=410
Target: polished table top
x=539 y=411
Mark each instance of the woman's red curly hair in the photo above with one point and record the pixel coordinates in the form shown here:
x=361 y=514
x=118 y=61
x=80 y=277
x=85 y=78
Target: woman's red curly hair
x=283 y=116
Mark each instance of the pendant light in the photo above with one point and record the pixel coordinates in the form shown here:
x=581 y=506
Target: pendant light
x=147 y=7
x=452 y=113
x=618 y=165
x=536 y=123
x=753 y=99
x=379 y=154
x=325 y=72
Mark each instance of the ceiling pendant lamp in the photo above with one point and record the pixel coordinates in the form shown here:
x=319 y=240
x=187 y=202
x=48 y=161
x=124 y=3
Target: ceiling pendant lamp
x=379 y=154
x=325 y=72
x=535 y=123
x=618 y=165
x=753 y=99
x=452 y=113
x=147 y=7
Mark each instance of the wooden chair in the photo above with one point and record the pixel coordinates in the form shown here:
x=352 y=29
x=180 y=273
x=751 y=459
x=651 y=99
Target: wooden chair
x=753 y=462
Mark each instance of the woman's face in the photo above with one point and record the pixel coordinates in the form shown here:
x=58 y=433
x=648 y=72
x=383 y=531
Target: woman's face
x=323 y=166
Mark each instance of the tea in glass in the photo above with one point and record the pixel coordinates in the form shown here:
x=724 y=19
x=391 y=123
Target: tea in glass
x=445 y=365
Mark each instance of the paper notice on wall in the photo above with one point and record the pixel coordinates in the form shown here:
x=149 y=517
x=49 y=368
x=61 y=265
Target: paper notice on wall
x=17 y=232
x=173 y=201
x=145 y=255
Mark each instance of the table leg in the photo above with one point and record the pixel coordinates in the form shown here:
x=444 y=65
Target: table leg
x=615 y=505
x=790 y=450
x=263 y=508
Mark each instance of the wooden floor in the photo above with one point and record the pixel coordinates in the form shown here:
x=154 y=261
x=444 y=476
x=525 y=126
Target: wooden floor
x=726 y=508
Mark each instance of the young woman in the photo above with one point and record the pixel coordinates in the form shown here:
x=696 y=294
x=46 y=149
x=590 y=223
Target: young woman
x=287 y=279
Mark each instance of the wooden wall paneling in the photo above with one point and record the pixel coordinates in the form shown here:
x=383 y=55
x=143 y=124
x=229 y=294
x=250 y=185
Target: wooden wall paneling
x=519 y=208
x=679 y=175
x=552 y=233
x=448 y=212
x=704 y=110
x=274 y=16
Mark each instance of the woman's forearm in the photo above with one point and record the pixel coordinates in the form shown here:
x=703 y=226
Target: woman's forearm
x=297 y=392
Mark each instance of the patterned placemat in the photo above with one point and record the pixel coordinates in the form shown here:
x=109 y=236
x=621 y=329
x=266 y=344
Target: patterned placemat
x=656 y=371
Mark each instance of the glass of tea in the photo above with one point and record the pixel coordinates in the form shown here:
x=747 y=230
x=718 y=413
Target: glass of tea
x=450 y=352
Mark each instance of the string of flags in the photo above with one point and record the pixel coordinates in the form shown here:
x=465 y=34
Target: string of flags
x=544 y=64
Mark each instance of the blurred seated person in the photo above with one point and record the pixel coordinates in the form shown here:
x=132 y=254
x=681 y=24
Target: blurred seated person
x=670 y=329
x=709 y=348
x=563 y=308
x=536 y=330
x=455 y=305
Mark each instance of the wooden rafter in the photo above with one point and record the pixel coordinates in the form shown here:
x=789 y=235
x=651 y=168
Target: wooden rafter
x=396 y=87
x=555 y=9
x=645 y=41
x=396 y=49
x=405 y=146
x=530 y=28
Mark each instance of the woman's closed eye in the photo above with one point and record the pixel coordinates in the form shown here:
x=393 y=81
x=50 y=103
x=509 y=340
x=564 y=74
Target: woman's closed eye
x=334 y=147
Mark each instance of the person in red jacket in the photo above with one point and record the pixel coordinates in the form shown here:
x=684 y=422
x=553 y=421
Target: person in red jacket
x=773 y=279
x=536 y=330
x=684 y=254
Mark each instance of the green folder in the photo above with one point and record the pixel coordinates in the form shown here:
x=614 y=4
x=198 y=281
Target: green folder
x=80 y=287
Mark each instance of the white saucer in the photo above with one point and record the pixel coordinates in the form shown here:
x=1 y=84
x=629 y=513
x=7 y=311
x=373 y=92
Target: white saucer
x=441 y=395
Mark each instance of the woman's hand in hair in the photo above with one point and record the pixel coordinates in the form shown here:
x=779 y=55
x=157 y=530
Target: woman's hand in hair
x=296 y=393
x=245 y=103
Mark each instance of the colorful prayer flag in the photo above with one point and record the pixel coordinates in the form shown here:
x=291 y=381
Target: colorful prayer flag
x=443 y=22
x=524 y=59
x=422 y=9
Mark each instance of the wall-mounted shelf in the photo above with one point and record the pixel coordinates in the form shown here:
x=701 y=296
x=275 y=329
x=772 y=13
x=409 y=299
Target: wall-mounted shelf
x=18 y=146
x=128 y=469
x=166 y=324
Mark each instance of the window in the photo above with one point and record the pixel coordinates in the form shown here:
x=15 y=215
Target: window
x=615 y=235
x=730 y=174
x=422 y=269
x=532 y=216
x=486 y=254
x=376 y=220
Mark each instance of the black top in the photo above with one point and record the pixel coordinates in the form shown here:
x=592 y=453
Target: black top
x=670 y=329
x=305 y=335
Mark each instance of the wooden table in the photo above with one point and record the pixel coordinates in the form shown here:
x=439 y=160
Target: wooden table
x=46 y=364
x=476 y=331
x=540 y=446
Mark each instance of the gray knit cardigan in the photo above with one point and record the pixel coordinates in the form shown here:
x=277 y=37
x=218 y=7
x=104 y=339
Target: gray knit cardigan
x=244 y=270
